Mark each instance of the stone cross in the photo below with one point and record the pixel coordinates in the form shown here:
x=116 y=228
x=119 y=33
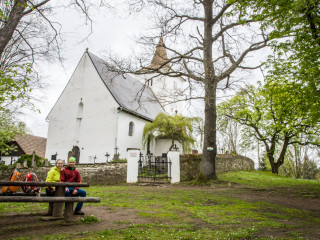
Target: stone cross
x=33 y=160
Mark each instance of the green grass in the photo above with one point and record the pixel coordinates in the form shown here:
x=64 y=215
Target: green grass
x=198 y=212
x=262 y=179
x=89 y=219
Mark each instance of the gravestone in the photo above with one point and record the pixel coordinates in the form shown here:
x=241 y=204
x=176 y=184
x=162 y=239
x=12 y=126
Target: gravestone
x=116 y=157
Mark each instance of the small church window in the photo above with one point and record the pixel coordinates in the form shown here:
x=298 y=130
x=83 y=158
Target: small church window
x=131 y=128
x=150 y=82
x=80 y=110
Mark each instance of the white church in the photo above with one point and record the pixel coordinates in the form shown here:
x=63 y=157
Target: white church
x=100 y=115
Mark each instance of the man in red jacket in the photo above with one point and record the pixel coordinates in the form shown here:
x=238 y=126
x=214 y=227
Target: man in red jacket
x=71 y=174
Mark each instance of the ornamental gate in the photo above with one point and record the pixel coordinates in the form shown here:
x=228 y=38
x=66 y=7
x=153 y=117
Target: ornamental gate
x=153 y=169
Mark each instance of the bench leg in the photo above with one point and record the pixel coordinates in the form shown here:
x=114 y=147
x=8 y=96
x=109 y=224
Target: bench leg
x=68 y=211
x=58 y=206
x=50 y=209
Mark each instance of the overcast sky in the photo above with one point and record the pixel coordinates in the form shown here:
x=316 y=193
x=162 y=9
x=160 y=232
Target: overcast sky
x=110 y=31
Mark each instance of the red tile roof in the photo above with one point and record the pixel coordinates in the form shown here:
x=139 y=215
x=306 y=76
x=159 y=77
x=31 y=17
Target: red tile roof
x=30 y=143
x=160 y=56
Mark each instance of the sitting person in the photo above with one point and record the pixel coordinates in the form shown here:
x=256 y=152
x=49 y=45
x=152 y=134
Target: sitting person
x=54 y=176
x=71 y=174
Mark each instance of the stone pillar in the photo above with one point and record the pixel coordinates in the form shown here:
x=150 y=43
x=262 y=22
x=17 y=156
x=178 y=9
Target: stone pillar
x=174 y=158
x=132 y=165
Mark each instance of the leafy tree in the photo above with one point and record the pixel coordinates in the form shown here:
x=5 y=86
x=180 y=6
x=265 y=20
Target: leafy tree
x=9 y=128
x=298 y=55
x=298 y=164
x=278 y=114
x=29 y=36
x=176 y=127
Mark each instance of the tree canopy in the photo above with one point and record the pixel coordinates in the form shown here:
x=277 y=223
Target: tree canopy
x=277 y=114
x=9 y=128
x=176 y=128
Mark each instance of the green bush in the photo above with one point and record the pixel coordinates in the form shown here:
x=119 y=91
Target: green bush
x=124 y=160
x=3 y=166
x=39 y=160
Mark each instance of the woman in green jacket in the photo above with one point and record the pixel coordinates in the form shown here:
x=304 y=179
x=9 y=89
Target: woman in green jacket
x=54 y=176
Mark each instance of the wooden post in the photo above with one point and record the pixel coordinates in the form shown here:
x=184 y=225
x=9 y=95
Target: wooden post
x=58 y=206
x=68 y=211
x=50 y=209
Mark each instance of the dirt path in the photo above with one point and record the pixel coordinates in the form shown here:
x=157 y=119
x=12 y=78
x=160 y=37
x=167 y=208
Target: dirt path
x=16 y=225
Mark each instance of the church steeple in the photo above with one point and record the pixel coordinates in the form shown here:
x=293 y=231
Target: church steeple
x=160 y=56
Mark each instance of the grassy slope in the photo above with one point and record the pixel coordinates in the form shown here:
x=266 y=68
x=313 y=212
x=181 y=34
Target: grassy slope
x=261 y=179
x=199 y=213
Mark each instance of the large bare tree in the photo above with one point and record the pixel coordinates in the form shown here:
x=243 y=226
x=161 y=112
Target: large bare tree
x=207 y=42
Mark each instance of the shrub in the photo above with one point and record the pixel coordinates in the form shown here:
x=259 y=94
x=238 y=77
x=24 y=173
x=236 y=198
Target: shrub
x=39 y=160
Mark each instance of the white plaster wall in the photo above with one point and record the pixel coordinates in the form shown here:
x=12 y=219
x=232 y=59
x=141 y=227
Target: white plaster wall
x=160 y=146
x=124 y=140
x=95 y=134
x=7 y=159
x=164 y=88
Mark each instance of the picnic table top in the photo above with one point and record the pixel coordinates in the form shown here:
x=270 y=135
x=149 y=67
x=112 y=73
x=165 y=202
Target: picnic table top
x=44 y=184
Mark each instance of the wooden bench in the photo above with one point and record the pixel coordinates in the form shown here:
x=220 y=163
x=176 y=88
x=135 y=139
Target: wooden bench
x=58 y=199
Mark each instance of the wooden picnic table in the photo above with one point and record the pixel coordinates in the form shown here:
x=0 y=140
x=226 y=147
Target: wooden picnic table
x=58 y=199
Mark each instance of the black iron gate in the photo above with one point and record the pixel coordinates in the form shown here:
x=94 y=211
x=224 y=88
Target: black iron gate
x=154 y=169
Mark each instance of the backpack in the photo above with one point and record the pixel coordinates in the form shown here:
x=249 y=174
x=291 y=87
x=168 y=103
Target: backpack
x=31 y=177
x=15 y=176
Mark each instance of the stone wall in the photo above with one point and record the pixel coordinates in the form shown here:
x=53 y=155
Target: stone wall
x=114 y=173
x=95 y=174
x=189 y=164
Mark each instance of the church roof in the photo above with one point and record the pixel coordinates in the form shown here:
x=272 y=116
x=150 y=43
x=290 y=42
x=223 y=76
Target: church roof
x=132 y=96
x=160 y=56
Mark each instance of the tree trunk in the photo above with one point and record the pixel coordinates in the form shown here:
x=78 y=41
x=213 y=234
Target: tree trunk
x=208 y=166
x=275 y=165
x=11 y=24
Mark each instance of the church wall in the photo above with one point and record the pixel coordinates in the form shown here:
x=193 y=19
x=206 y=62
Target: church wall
x=161 y=146
x=92 y=126
x=164 y=88
x=124 y=140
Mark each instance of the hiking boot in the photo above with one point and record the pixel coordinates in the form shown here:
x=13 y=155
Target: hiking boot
x=78 y=213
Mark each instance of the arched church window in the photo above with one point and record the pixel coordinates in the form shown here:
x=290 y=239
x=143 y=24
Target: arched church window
x=80 y=110
x=131 y=128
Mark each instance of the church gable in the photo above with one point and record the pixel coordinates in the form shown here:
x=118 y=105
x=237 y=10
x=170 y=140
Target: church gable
x=85 y=86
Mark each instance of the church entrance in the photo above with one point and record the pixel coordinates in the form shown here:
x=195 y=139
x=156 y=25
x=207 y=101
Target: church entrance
x=75 y=152
x=154 y=170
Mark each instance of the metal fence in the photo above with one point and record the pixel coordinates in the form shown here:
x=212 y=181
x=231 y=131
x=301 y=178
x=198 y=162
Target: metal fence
x=153 y=169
